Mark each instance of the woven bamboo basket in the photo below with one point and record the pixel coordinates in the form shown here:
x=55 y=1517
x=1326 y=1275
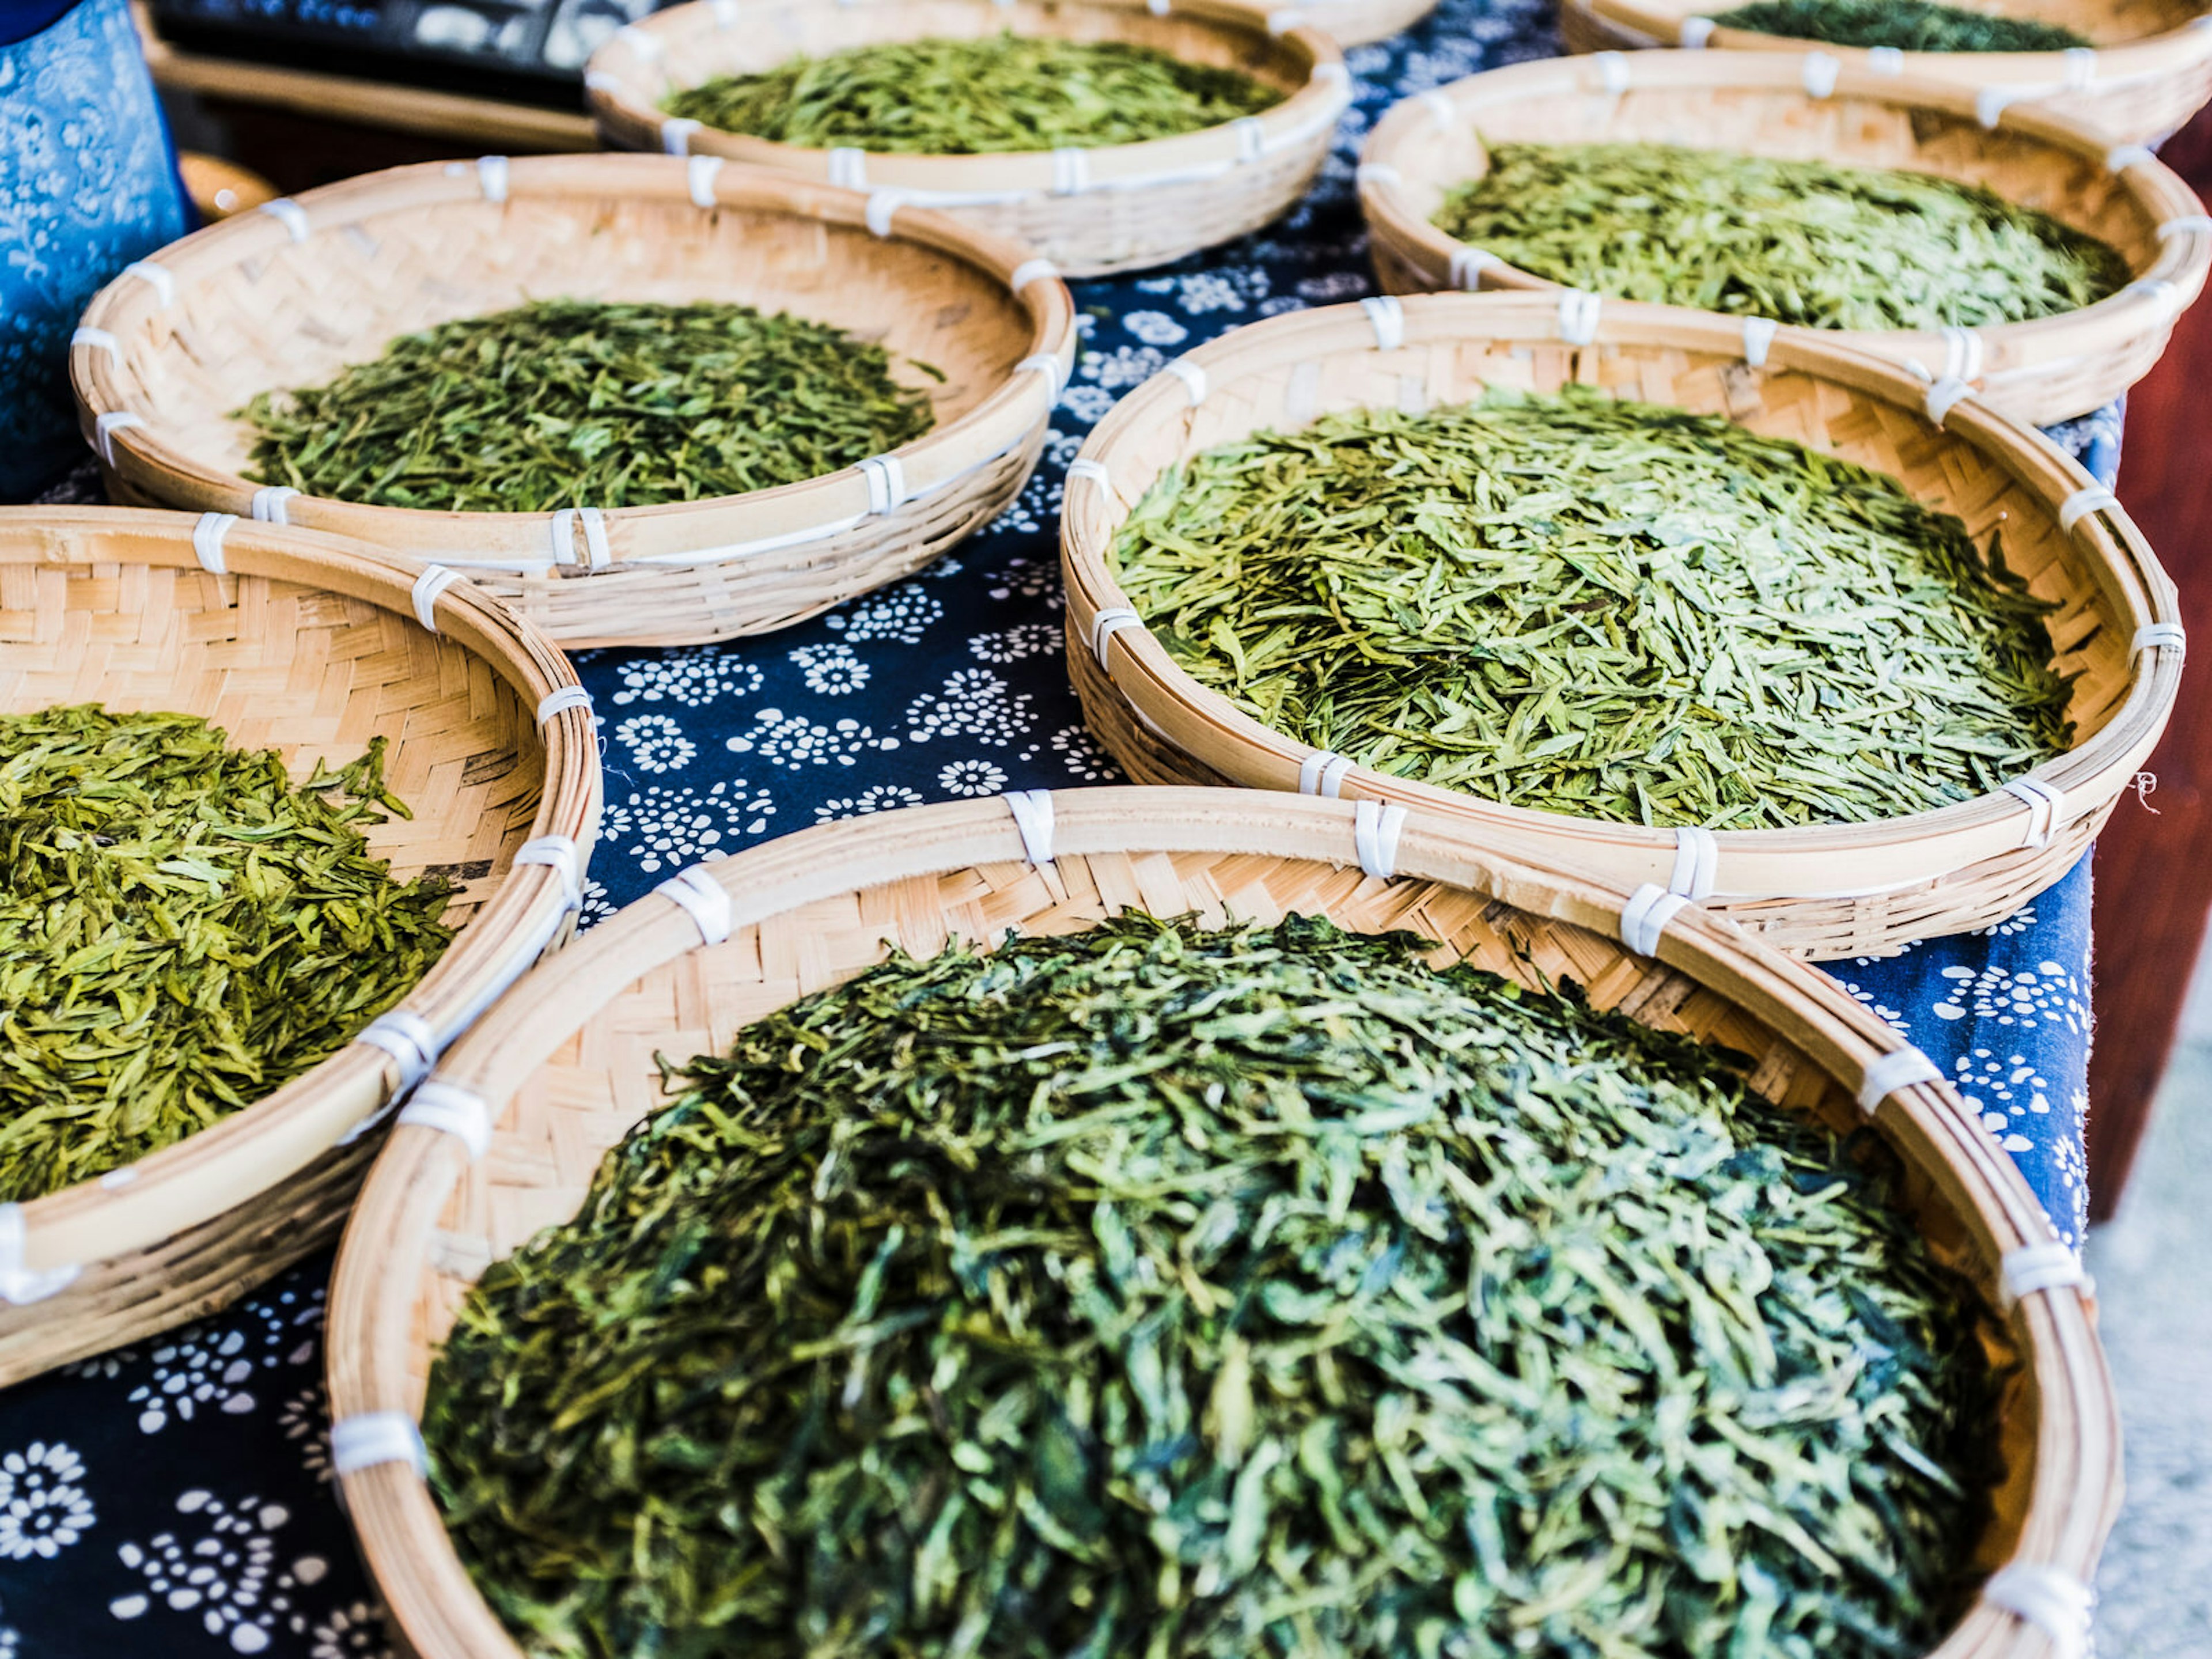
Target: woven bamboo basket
x=287 y=296
x=1852 y=890
x=1357 y=22
x=302 y=644
x=1121 y=207
x=559 y=1072
x=2148 y=69
x=1581 y=29
x=1762 y=105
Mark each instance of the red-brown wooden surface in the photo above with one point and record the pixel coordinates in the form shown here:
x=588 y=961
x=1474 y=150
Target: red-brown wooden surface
x=2154 y=872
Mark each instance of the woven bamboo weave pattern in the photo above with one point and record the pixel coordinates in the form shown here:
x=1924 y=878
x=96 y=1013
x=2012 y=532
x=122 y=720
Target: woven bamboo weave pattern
x=304 y=646
x=2042 y=371
x=567 y=1067
x=1824 y=891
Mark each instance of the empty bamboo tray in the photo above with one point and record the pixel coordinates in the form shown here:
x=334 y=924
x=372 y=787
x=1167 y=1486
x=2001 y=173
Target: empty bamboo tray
x=301 y=643
x=559 y=1072
x=288 y=296
x=1761 y=104
x=1121 y=207
x=1848 y=889
x=2148 y=69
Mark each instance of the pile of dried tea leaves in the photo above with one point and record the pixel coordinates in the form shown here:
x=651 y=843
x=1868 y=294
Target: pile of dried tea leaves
x=1906 y=25
x=182 y=931
x=577 y=402
x=1807 y=243
x=1204 y=1294
x=1611 y=610
x=953 y=97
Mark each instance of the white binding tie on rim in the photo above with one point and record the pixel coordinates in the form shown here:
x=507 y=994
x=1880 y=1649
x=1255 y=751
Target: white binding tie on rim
x=1578 y=315
x=269 y=507
x=1377 y=173
x=451 y=1109
x=639 y=41
x=1193 y=376
x=727 y=13
x=1331 y=75
x=289 y=214
x=1962 y=353
x=850 y=168
x=1901 y=1068
x=558 y=853
x=2188 y=224
x=1044 y=363
x=99 y=340
x=408 y=1038
x=1758 y=339
x=2093 y=498
x=2035 y=1267
x=1106 y=624
x=1251 y=138
x=105 y=428
x=2050 y=1598
x=1467 y=265
x=2157 y=287
x=368 y=1439
x=2044 y=804
x=1819 y=72
x=1032 y=270
x=492 y=177
x=1375 y=829
x=559 y=701
x=700 y=897
x=1438 y=103
x=699 y=176
x=207 y=540
x=1032 y=811
x=1071 y=170
x=434 y=579
x=1698 y=33
x=1158 y=8
x=2159 y=635
x=156 y=276
x=1991 y=102
x=20 y=1285
x=1388 y=318
x=1323 y=773
x=1697 y=864
x=2080 y=68
x=1644 y=919
x=1612 y=71
x=676 y=135
x=1946 y=395
x=1885 y=60
x=883 y=204
x=887 y=490
x=562 y=532
x=1082 y=468
x=1282 y=20
x=2121 y=157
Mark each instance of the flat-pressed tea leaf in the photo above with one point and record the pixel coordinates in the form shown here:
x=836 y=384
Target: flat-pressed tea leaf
x=953 y=97
x=1202 y=1294
x=1611 y=610
x=1906 y=25
x=580 y=402
x=183 y=930
x=1807 y=243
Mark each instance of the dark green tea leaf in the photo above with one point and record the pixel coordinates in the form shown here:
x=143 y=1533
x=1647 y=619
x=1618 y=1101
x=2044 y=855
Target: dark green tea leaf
x=1906 y=25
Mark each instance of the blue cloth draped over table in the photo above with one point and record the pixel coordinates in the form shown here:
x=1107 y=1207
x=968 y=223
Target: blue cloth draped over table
x=122 y=1479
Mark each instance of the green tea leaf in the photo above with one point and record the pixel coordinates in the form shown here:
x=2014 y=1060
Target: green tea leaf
x=1906 y=25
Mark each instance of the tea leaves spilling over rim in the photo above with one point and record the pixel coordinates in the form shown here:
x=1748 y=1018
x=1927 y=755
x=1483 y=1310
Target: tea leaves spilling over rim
x=574 y=403
x=1807 y=243
x=1905 y=25
x=948 y=97
x=1609 y=609
x=1167 y=1292
x=182 y=931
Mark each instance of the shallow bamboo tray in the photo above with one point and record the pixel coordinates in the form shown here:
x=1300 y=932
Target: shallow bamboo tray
x=566 y=1066
x=1581 y=29
x=308 y=646
x=286 y=297
x=1120 y=208
x=1357 y=22
x=1828 y=891
x=2148 y=70
x=1758 y=104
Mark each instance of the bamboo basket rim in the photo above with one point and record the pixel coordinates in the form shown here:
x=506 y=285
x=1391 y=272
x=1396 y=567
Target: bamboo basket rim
x=2105 y=68
x=1749 y=864
x=260 y=1146
x=389 y=1244
x=811 y=509
x=2152 y=299
x=637 y=55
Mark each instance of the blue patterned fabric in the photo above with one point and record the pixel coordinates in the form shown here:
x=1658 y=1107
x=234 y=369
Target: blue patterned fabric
x=87 y=184
x=173 y=1498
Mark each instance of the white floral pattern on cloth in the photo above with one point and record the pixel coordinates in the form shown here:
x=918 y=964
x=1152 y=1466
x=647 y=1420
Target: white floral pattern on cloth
x=43 y=1506
x=225 y=1566
x=961 y=666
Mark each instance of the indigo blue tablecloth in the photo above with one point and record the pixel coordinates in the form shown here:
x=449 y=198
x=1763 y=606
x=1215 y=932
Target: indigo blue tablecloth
x=174 y=1499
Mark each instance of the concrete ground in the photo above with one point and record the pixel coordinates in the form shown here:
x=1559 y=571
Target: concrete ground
x=2153 y=1271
